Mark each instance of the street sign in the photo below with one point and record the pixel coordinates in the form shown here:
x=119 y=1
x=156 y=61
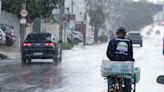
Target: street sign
x=24 y=13
x=23 y=21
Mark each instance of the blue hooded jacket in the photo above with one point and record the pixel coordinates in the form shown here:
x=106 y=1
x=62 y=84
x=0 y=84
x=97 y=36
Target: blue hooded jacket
x=120 y=49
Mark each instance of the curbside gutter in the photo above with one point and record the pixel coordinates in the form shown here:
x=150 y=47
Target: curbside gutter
x=2 y=56
x=9 y=52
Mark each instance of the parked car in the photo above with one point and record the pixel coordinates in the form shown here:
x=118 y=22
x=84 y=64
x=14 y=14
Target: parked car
x=10 y=34
x=157 y=32
x=2 y=37
x=41 y=46
x=76 y=36
x=148 y=33
x=136 y=37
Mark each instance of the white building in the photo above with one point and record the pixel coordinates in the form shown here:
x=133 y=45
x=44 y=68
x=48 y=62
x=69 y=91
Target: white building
x=80 y=9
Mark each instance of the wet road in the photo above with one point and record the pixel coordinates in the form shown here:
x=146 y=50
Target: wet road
x=79 y=71
x=15 y=77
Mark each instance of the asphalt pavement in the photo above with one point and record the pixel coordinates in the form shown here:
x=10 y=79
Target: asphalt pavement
x=9 y=52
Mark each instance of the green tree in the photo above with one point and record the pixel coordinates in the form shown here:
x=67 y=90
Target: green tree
x=97 y=19
x=130 y=14
x=35 y=8
x=12 y=6
x=138 y=15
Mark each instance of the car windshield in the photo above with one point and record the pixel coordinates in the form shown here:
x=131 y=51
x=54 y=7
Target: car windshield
x=38 y=37
x=6 y=28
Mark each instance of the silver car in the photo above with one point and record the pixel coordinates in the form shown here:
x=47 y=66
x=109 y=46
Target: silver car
x=2 y=37
x=76 y=36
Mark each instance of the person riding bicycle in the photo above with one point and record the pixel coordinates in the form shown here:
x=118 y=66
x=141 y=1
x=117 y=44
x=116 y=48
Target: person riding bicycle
x=121 y=49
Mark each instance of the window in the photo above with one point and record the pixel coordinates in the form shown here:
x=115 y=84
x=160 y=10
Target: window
x=40 y=37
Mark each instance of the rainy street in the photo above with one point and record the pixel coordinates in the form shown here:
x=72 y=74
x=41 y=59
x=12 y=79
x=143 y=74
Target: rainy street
x=80 y=70
x=75 y=34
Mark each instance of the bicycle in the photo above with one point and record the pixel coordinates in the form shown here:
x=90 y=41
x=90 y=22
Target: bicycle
x=118 y=71
x=118 y=83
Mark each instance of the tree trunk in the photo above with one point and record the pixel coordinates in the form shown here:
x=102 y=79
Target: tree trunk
x=96 y=34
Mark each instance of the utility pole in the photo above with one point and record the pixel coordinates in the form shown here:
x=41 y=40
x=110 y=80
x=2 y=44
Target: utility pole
x=66 y=23
x=71 y=6
x=61 y=22
x=0 y=6
x=72 y=21
x=23 y=22
x=87 y=4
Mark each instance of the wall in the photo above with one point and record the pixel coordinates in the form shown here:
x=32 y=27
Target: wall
x=51 y=28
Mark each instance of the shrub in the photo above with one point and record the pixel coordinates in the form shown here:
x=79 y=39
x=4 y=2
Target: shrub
x=66 y=46
x=103 y=37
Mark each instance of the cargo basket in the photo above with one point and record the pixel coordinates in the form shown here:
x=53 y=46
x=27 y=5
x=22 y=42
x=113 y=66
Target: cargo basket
x=136 y=72
x=120 y=68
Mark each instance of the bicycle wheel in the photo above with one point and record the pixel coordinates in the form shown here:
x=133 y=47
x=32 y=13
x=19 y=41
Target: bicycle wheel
x=120 y=85
x=117 y=85
x=110 y=89
x=110 y=82
x=134 y=90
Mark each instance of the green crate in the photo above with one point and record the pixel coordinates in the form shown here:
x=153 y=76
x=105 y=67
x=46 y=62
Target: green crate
x=136 y=72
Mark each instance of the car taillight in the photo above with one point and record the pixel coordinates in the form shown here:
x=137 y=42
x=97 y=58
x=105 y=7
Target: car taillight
x=50 y=44
x=27 y=44
x=12 y=34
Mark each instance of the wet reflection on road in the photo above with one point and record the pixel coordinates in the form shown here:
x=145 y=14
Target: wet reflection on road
x=27 y=78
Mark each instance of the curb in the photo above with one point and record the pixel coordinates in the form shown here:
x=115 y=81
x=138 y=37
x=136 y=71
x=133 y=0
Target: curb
x=9 y=52
x=2 y=56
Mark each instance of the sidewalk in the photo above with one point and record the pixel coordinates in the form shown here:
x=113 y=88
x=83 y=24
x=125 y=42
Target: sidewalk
x=14 y=52
x=10 y=52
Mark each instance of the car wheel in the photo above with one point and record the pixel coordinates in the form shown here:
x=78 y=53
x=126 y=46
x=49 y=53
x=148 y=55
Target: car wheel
x=60 y=58
x=55 y=60
x=141 y=45
x=29 y=61
x=23 y=60
x=9 y=42
x=76 y=41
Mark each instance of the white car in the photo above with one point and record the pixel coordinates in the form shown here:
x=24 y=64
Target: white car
x=76 y=36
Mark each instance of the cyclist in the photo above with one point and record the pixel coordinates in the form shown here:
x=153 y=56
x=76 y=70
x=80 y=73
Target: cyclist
x=120 y=49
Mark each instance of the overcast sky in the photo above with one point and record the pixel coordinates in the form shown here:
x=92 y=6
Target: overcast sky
x=153 y=0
